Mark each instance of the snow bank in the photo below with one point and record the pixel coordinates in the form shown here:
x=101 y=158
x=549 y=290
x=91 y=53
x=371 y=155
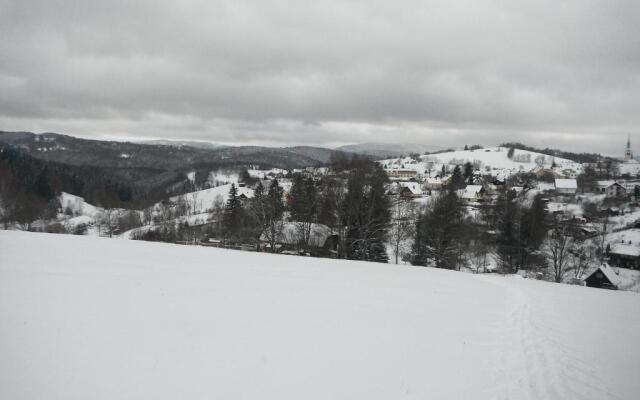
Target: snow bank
x=126 y=319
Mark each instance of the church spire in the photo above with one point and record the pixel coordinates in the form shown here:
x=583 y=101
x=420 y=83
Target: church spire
x=628 y=154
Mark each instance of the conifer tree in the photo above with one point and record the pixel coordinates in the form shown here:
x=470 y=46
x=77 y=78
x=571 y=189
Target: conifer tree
x=367 y=214
x=508 y=229
x=438 y=233
x=468 y=173
x=232 y=217
x=457 y=180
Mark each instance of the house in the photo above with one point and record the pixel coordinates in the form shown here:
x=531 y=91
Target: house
x=410 y=190
x=603 y=277
x=322 y=239
x=625 y=255
x=401 y=173
x=472 y=193
x=433 y=184
x=611 y=188
x=566 y=186
x=614 y=190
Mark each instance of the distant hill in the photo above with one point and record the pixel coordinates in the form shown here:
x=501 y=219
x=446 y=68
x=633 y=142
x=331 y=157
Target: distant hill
x=384 y=150
x=182 y=143
x=317 y=153
x=130 y=174
x=76 y=151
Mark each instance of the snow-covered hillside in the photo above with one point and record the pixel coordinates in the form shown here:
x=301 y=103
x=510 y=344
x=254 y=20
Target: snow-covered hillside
x=208 y=198
x=92 y=318
x=493 y=160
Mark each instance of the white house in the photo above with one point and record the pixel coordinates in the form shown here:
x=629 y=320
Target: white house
x=566 y=186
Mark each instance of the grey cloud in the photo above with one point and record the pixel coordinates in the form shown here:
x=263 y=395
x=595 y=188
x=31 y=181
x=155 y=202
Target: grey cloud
x=283 y=72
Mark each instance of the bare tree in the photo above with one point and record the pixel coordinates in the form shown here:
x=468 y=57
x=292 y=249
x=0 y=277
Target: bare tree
x=558 y=245
x=583 y=254
x=109 y=219
x=194 y=202
x=147 y=215
x=402 y=227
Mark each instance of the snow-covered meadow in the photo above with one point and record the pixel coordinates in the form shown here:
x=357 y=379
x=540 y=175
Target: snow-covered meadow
x=93 y=318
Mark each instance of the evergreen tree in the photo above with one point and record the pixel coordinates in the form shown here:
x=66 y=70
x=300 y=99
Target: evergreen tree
x=457 y=180
x=327 y=212
x=508 y=249
x=468 y=173
x=366 y=213
x=232 y=217
x=438 y=233
x=304 y=208
x=533 y=230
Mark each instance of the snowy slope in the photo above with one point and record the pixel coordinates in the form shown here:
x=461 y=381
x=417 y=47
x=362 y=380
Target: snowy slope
x=207 y=198
x=92 y=318
x=493 y=160
x=78 y=206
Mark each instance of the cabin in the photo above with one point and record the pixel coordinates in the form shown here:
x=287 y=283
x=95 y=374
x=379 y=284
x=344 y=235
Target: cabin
x=566 y=186
x=604 y=277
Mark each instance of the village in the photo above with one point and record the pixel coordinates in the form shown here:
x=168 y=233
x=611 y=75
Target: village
x=595 y=204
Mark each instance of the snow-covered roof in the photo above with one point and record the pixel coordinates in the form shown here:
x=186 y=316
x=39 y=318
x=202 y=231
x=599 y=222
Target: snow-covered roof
x=470 y=192
x=625 y=249
x=607 y=183
x=609 y=273
x=566 y=184
x=415 y=187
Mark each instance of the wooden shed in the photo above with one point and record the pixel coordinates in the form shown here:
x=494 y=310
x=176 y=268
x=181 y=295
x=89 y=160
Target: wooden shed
x=603 y=277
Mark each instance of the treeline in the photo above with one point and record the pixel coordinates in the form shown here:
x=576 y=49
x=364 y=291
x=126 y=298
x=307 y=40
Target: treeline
x=511 y=231
x=352 y=203
x=576 y=157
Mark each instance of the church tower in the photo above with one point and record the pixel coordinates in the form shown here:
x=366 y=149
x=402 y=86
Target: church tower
x=628 y=154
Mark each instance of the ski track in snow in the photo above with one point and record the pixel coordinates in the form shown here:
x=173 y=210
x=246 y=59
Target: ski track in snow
x=535 y=364
x=97 y=318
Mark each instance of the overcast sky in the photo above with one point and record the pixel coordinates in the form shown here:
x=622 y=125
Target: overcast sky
x=546 y=72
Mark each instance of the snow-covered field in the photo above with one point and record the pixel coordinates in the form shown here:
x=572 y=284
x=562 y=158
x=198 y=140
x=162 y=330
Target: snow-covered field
x=93 y=318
